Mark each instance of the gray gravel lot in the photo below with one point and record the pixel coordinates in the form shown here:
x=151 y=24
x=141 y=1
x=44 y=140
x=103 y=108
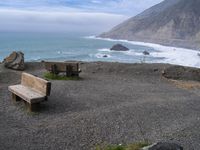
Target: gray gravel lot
x=113 y=103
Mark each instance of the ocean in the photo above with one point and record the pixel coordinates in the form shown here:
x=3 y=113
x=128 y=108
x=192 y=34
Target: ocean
x=68 y=46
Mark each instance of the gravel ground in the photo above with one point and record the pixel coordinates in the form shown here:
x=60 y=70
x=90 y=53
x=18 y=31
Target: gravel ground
x=113 y=103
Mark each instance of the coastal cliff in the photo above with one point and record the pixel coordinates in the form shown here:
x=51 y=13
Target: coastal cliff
x=171 y=22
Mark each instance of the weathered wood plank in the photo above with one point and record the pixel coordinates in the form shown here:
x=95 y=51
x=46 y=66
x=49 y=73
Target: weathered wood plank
x=32 y=91
x=32 y=107
x=61 y=66
x=40 y=85
x=69 y=70
x=15 y=98
x=26 y=93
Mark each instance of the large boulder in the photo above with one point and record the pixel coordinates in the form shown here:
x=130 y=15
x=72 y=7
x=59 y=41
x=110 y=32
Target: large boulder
x=119 y=47
x=182 y=73
x=163 y=146
x=15 y=61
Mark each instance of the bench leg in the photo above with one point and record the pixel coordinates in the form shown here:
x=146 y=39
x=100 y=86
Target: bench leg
x=69 y=70
x=15 y=98
x=46 y=98
x=76 y=74
x=54 y=69
x=32 y=107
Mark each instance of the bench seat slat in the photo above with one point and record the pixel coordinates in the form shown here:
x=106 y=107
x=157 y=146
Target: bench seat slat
x=26 y=93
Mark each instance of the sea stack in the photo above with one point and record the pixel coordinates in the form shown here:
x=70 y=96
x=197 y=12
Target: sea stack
x=119 y=47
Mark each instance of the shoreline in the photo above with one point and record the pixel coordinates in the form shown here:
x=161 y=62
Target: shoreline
x=148 y=44
x=173 y=55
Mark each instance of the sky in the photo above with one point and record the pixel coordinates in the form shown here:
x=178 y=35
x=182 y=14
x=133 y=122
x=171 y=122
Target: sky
x=87 y=16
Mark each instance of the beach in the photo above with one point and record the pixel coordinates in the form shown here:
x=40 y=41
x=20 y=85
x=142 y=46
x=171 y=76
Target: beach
x=113 y=103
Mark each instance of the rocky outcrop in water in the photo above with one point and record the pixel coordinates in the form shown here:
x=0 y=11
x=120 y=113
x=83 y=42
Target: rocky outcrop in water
x=146 y=53
x=119 y=47
x=15 y=61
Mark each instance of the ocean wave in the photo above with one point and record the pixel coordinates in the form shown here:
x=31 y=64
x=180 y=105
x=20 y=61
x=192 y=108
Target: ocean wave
x=172 y=55
x=65 y=53
x=133 y=53
x=90 y=37
x=104 y=50
x=130 y=52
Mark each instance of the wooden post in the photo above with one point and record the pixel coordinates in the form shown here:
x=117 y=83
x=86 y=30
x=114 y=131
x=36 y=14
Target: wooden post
x=15 y=98
x=32 y=107
x=46 y=98
x=54 y=69
x=77 y=69
x=69 y=70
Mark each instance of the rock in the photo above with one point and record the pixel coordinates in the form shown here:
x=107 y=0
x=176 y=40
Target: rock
x=155 y=70
x=198 y=54
x=105 y=56
x=119 y=47
x=163 y=146
x=182 y=73
x=15 y=61
x=146 y=53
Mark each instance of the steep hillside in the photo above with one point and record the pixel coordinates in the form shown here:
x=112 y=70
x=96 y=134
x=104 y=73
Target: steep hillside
x=172 y=22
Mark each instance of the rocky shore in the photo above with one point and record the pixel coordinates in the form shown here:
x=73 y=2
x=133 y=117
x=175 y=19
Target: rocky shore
x=113 y=103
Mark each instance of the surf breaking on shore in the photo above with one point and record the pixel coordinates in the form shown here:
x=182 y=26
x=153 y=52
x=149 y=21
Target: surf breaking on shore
x=170 y=55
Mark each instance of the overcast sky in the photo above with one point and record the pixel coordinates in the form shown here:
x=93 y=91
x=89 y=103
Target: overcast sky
x=89 y=16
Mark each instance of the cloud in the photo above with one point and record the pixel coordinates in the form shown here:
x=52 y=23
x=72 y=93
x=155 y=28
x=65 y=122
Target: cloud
x=92 y=16
x=125 y=7
x=27 y=20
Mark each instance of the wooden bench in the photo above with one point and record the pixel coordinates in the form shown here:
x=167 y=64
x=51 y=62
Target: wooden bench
x=70 y=68
x=32 y=90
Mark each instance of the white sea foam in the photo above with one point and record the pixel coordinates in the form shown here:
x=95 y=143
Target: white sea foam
x=90 y=37
x=59 y=52
x=104 y=50
x=171 y=55
x=133 y=53
x=65 y=53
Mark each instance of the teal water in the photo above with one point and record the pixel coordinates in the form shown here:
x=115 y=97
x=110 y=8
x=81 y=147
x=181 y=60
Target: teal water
x=68 y=46
x=46 y=46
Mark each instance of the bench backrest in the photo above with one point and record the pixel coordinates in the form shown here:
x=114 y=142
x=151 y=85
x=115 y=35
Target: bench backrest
x=61 y=66
x=41 y=85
